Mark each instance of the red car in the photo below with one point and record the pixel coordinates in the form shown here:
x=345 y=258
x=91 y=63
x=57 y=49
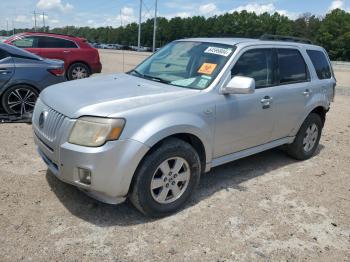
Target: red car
x=80 y=59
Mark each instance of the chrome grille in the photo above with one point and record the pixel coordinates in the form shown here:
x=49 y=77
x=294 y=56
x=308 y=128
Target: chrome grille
x=53 y=121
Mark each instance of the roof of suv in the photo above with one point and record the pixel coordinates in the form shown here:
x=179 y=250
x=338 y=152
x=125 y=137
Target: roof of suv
x=236 y=41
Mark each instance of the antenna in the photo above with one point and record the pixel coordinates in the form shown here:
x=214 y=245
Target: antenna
x=139 y=36
x=155 y=26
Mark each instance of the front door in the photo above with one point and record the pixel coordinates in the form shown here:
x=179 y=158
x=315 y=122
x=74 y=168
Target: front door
x=246 y=120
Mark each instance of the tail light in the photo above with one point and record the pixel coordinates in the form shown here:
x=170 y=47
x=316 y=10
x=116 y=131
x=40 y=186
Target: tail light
x=57 y=71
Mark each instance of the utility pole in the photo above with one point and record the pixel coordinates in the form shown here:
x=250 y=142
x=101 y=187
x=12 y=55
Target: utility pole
x=155 y=26
x=13 y=27
x=34 y=21
x=139 y=37
x=43 y=22
x=7 y=27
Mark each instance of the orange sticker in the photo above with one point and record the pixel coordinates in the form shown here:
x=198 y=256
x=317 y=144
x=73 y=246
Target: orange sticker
x=207 y=68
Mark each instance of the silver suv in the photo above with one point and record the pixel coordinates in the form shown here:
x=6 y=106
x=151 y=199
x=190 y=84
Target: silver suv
x=148 y=134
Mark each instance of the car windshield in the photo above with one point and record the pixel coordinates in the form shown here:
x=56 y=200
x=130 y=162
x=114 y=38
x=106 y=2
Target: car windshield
x=186 y=64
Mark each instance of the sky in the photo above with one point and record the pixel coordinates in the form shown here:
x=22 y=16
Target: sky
x=95 y=13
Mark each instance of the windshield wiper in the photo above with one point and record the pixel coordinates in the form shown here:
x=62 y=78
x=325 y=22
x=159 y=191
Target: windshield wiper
x=158 y=79
x=155 y=78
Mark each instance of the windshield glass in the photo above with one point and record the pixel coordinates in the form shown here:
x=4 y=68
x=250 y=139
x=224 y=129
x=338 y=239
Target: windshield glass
x=186 y=64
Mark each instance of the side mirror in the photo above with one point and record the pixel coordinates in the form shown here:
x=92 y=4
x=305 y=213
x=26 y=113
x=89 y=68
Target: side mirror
x=240 y=85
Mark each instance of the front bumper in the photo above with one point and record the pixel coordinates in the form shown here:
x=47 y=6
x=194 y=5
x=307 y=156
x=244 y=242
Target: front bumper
x=112 y=166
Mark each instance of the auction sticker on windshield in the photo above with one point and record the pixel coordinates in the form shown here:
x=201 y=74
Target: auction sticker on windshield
x=218 y=51
x=207 y=68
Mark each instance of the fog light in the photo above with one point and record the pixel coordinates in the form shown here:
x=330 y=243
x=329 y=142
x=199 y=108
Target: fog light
x=84 y=176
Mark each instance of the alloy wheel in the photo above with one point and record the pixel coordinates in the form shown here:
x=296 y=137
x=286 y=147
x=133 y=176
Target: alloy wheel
x=170 y=180
x=21 y=101
x=310 y=138
x=79 y=72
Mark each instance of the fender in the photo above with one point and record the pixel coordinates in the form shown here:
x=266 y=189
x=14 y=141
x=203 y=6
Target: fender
x=317 y=100
x=170 y=124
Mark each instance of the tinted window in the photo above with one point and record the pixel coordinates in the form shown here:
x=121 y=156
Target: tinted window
x=3 y=54
x=25 y=42
x=52 y=42
x=257 y=64
x=292 y=67
x=320 y=63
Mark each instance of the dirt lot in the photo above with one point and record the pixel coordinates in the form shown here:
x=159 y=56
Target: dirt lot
x=266 y=207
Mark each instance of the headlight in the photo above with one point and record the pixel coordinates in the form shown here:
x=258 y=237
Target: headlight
x=95 y=131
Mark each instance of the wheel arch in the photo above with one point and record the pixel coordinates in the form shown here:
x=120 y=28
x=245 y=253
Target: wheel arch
x=189 y=138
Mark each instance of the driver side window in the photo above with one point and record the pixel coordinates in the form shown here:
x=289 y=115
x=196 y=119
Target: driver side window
x=257 y=64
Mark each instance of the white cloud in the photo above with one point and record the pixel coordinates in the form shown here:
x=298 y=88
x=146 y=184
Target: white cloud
x=54 y=5
x=264 y=8
x=338 y=4
x=208 y=9
x=22 y=19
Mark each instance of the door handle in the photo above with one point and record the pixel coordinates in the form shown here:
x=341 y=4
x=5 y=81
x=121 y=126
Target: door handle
x=307 y=92
x=4 y=71
x=66 y=51
x=266 y=102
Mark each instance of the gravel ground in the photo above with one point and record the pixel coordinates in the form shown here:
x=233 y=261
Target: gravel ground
x=267 y=207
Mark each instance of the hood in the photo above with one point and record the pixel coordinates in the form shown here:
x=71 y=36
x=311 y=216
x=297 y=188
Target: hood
x=106 y=95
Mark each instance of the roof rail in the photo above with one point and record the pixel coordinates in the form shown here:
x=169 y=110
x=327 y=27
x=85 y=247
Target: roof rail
x=50 y=33
x=285 y=38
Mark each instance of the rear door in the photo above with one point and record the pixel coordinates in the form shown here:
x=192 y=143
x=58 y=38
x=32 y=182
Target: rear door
x=292 y=92
x=57 y=48
x=7 y=68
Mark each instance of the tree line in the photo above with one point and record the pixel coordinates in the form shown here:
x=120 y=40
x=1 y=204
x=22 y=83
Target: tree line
x=331 y=31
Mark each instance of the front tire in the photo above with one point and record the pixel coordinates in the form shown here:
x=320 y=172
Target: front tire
x=78 y=71
x=307 y=139
x=166 y=179
x=19 y=99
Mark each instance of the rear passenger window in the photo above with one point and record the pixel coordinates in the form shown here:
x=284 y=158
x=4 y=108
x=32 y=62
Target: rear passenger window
x=256 y=64
x=292 y=67
x=52 y=42
x=320 y=63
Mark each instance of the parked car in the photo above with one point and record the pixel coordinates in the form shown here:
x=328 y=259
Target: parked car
x=22 y=76
x=80 y=59
x=147 y=135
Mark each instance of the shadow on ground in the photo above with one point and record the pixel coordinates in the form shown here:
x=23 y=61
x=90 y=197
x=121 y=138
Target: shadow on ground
x=228 y=176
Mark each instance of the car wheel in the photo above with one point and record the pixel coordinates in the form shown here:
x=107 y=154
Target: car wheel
x=78 y=71
x=166 y=179
x=19 y=99
x=307 y=139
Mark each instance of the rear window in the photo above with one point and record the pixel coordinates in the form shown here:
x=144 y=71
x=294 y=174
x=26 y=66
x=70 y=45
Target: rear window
x=52 y=42
x=320 y=63
x=25 y=42
x=292 y=67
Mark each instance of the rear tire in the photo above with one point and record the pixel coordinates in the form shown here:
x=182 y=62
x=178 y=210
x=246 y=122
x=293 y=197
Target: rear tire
x=307 y=139
x=78 y=71
x=166 y=179
x=19 y=99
